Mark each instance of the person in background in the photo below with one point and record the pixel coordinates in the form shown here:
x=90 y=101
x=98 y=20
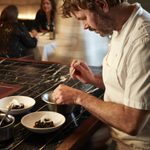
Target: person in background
x=14 y=37
x=126 y=70
x=45 y=16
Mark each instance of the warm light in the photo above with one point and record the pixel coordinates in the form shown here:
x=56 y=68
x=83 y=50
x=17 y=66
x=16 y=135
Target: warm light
x=26 y=16
x=28 y=12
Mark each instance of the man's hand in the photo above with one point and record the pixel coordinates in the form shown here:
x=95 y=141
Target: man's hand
x=66 y=95
x=79 y=70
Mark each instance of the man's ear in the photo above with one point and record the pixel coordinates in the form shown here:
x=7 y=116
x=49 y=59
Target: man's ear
x=103 y=5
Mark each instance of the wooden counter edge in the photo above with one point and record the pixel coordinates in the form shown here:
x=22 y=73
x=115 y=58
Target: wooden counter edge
x=76 y=140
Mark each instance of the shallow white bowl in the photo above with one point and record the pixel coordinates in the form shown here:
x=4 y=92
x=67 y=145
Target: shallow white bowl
x=27 y=101
x=29 y=120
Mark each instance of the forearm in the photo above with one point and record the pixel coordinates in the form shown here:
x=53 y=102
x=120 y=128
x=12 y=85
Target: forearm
x=116 y=115
x=102 y=110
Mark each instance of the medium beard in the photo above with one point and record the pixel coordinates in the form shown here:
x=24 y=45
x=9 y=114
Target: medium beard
x=105 y=24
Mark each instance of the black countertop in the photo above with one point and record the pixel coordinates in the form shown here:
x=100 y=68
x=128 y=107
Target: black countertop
x=34 y=79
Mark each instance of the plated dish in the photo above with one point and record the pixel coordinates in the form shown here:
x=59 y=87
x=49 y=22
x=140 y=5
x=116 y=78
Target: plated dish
x=21 y=104
x=55 y=121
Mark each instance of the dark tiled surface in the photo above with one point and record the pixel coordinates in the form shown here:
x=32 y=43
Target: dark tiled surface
x=8 y=89
x=36 y=79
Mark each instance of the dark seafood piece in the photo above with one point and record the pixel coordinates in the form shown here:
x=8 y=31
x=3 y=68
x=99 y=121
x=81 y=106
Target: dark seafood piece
x=46 y=123
x=20 y=106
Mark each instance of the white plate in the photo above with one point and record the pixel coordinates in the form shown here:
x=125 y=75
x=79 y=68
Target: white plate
x=27 y=101
x=29 y=120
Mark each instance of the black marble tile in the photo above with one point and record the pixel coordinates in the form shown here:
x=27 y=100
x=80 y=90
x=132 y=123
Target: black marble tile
x=35 y=80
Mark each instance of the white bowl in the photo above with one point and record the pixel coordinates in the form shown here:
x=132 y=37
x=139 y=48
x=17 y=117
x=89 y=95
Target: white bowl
x=29 y=120
x=27 y=101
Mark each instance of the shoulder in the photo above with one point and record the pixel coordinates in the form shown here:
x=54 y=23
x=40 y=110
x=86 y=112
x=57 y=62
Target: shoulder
x=141 y=25
x=8 y=27
x=138 y=38
x=40 y=13
x=140 y=34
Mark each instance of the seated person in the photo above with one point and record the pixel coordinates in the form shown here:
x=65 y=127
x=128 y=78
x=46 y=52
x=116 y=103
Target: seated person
x=14 y=37
x=45 y=16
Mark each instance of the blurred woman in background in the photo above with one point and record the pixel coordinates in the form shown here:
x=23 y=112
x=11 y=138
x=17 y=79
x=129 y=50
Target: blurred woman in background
x=14 y=37
x=45 y=16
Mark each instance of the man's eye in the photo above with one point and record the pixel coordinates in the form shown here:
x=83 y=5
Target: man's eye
x=82 y=18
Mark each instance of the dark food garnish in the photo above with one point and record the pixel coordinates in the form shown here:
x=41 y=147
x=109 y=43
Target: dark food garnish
x=20 y=106
x=44 y=124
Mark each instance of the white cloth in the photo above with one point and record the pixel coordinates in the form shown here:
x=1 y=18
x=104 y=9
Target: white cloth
x=45 y=47
x=126 y=73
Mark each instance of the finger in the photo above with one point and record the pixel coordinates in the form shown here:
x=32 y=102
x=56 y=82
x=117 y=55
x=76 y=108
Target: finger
x=79 y=69
x=72 y=71
x=76 y=63
x=73 y=62
x=83 y=64
x=56 y=91
x=74 y=67
x=59 y=101
x=53 y=95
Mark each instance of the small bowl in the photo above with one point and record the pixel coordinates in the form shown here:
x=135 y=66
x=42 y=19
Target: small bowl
x=63 y=109
x=7 y=129
x=28 y=103
x=29 y=120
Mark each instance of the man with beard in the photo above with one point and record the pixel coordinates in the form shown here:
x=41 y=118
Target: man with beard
x=125 y=74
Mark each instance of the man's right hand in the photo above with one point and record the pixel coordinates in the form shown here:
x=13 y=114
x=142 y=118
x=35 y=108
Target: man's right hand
x=80 y=70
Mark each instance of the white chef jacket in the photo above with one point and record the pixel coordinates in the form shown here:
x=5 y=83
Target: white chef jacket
x=126 y=73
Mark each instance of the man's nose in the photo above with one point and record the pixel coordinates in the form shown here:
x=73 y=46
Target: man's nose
x=86 y=26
